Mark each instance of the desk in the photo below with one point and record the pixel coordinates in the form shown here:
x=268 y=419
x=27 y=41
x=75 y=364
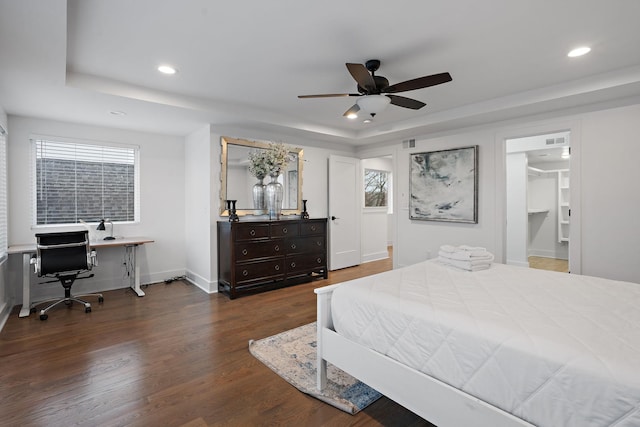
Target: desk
x=130 y=245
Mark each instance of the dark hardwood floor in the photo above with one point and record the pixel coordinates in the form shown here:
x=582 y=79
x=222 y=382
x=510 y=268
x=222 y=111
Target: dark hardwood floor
x=176 y=357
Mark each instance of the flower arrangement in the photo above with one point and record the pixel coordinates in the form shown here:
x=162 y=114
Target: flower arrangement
x=257 y=164
x=270 y=161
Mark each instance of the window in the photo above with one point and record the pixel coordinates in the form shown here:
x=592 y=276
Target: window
x=82 y=181
x=375 y=188
x=3 y=194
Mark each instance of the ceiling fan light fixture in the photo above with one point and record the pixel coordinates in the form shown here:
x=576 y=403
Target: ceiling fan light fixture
x=373 y=104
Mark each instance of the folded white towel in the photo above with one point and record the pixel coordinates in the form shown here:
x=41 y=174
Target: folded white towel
x=472 y=251
x=468 y=255
x=471 y=248
x=448 y=248
x=466 y=265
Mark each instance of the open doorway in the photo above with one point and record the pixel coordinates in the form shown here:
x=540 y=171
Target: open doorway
x=377 y=211
x=538 y=202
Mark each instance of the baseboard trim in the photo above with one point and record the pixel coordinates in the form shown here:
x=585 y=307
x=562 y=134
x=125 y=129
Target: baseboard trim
x=376 y=256
x=5 y=312
x=209 y=286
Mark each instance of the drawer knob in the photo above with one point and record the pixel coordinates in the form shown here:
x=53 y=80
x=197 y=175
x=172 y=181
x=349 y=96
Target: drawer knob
x=244 y=252
x=318 y=243
x=276 y=248
x=313 y=228
x=319 y=260
x=252 y=232
x=293 y=246
x=245 y=273
x=284 y=230
x=277 y=267
x=293 y=265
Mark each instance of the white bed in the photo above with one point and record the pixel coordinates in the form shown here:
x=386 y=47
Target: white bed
x=507 y=346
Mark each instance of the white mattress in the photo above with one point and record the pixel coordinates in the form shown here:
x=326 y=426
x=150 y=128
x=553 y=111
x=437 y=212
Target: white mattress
x=553 y=349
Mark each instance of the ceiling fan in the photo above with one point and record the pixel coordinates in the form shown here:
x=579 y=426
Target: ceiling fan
x=375 y=93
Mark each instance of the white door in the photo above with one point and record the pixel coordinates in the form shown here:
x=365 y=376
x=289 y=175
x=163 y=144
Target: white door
x=344 y=212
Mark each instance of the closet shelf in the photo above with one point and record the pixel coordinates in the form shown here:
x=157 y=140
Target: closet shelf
x=536 y=211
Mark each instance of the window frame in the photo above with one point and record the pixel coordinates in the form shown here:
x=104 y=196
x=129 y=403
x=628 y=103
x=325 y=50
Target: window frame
x=364 y=189
x=87 y=142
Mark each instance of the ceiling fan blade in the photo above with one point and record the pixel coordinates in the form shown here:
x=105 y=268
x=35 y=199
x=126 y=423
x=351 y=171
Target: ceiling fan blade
x=401 y=101
x=419 y=83
x=329 y=95
x=352 y=110
x=361 y=75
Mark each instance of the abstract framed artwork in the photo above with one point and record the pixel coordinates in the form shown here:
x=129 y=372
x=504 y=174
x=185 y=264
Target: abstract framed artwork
x=444 y=185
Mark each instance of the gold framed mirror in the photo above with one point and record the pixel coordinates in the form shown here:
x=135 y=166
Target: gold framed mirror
x=236 y=182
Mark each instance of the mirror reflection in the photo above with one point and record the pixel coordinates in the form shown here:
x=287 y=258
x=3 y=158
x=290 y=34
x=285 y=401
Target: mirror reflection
x=237 y=182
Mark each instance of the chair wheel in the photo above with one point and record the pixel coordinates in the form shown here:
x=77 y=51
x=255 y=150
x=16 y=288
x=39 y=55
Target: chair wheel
x=87 y=310
x=100 y=299
x=44 y=316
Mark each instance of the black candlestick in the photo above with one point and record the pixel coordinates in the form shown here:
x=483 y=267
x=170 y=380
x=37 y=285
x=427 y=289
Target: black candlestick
x=304 y=214
x=231 y=206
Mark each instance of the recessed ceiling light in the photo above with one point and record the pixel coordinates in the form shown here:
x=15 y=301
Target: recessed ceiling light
x=352 y=116
x=167 y=69
x=118 y=113
x=367 y=121
x=579 y=51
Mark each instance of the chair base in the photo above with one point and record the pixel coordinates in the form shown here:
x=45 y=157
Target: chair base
x=68 y=300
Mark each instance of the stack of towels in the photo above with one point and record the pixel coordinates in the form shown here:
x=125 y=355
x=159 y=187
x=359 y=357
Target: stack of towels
x=465 y=257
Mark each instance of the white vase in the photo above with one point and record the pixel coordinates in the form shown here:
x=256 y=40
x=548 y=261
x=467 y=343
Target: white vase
x=258 y=196
x=273 y=193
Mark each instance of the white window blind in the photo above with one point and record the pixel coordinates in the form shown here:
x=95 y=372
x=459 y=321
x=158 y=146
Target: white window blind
x=81 y=181
x=3 y=194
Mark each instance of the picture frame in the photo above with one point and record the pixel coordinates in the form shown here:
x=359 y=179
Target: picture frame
x=444 y=185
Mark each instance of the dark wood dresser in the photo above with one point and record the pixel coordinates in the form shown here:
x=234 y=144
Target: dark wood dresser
x=255 y=256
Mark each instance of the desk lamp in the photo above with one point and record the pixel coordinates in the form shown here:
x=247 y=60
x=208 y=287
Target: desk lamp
x=101 y=227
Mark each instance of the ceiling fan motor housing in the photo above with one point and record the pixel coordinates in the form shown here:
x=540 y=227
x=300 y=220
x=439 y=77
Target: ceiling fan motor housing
x=372 y=65
x=381 y=84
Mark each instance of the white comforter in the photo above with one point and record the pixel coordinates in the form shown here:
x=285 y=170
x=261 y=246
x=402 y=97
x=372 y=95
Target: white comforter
x=554 y=349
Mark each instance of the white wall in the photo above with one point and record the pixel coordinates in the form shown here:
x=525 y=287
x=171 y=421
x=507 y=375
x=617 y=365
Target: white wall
x=517 y=218
x=162 y=213
x=605 y=152
x=420 y=240
x=6 y=300
x=610 y=196
x=198 y=202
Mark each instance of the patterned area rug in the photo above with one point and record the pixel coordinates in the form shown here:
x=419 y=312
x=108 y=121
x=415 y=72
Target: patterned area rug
x=292 y=355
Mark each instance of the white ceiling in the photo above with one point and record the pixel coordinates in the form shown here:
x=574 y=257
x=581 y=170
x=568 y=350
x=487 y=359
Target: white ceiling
x=243 y=63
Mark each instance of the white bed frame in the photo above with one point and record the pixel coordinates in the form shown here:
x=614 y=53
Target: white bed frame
x=428 y=397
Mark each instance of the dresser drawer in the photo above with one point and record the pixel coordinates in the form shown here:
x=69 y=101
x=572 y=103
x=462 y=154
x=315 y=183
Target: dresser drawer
x=304 y=263
x=256 y=271
x=283 y=229
x=301 y=245
x=252 y=231
x=247 y=251
x=312 y=227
